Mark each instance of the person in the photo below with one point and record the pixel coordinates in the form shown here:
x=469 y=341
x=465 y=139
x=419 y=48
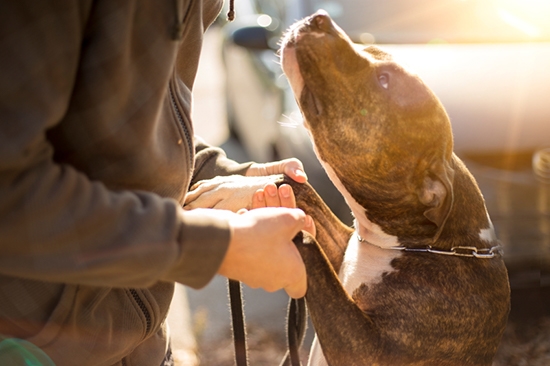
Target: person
x=96 y=157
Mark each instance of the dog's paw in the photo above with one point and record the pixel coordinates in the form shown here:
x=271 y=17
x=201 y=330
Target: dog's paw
x=303 y=238
x=232 y=192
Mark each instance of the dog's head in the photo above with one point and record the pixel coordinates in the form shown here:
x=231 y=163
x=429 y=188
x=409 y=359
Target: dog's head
x=378 y=129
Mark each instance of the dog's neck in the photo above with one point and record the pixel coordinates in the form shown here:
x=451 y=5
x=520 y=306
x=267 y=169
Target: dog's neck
x=366 y=229
x=373 y=234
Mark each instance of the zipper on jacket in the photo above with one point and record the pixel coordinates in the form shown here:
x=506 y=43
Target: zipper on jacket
x=179 y=117
x=144 y=310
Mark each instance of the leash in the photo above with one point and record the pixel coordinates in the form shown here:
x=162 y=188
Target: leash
x=296 y=327
x=296 y=330
x=237 y=322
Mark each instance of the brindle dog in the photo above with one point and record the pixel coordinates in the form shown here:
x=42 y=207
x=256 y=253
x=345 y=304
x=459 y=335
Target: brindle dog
x=421 y=281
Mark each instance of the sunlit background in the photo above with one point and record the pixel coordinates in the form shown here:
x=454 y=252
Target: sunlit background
x=424 y=21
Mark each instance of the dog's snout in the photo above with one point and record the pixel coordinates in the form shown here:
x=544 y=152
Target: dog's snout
x=321 y=20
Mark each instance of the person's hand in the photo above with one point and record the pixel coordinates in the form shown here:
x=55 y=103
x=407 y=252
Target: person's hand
x=291 y=167
x=271 y=196
x=231 y=193
x=261 y=252
x=235 y=192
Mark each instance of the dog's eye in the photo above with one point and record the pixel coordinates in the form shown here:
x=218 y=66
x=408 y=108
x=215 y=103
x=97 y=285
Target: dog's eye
x=384 y=80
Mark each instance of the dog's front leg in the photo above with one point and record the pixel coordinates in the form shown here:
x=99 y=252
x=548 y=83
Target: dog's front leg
x=347 y=335
x=332 y=234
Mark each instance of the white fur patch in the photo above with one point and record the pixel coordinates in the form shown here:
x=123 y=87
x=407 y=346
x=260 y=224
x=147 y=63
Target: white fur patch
x=365 y=263
x=489 y=233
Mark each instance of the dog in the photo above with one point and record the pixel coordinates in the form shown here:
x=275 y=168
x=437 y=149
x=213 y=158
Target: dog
x=424 y=281
x=420 y=279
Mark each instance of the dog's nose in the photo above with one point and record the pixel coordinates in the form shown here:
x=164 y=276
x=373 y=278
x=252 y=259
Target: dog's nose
x=321 y=20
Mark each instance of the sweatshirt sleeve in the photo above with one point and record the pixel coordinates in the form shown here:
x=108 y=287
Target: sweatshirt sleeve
x=212 y=161
x=55 y=223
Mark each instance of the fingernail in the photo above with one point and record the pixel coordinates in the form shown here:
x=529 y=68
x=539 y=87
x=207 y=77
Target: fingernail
x=285 y=191
x=300 y=172
x=271 y=190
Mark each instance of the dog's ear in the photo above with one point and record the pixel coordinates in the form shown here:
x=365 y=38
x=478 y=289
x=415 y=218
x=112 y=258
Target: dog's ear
x=436 y=193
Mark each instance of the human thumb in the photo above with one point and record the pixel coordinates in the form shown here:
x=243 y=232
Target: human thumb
x=309 y=226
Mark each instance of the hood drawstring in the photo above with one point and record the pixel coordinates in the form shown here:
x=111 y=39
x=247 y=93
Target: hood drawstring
x=177 y=29
x=231 y=12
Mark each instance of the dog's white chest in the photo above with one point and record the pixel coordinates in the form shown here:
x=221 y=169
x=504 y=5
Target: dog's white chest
x=365 y=263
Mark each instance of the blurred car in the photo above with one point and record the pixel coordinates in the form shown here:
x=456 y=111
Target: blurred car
x=488 y=62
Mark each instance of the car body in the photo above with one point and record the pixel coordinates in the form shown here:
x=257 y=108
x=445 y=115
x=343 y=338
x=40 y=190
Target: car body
x=487 y=61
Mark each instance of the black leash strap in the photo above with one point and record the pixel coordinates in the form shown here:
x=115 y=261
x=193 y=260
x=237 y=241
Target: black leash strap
x=296 y=330
x=296 y=327
x=237 y=321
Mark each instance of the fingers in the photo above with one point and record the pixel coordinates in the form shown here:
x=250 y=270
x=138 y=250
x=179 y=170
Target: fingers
x=227 y=193
x=258 y=199
x=309 y=226
x=294 y=169
x=291 y=167
x=271 y=196
x=294 y=220
x=298 y=289
x=292 y=274
x=261 y=252
x=197 y=191
x=191 y=196
x=286 y=196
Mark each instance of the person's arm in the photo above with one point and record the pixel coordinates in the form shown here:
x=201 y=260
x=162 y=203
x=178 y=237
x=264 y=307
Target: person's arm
x=261 y=252
x=212 y=162
x=55 y=223
x=58 y=225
